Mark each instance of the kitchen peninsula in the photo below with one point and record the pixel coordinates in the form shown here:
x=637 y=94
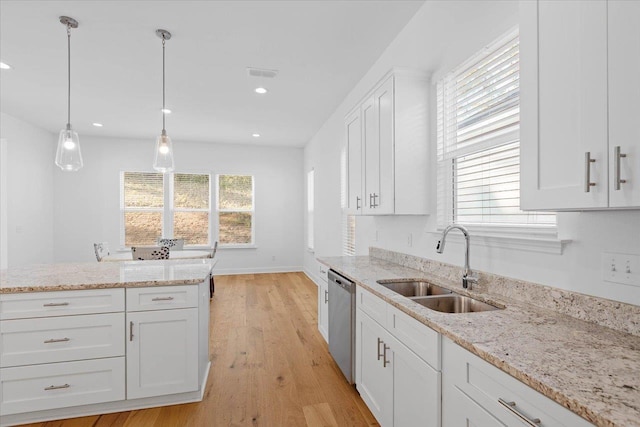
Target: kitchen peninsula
x=88 y=338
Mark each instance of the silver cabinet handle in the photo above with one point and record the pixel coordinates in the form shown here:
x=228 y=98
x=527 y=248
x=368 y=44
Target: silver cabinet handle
x=326 y=296
x=358 y=207
x=130 y=331
x=57 y=340
x=379 y=342
x=617 y=155
x=56 y=387
x=385 y=362
x=162 y=299
x=375 y=202
x=587 y=172
x=511 y=406
x=55 y=304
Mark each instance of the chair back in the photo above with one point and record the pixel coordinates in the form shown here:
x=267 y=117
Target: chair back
x=215 y=249
x=149 y=252
x=176 y=244
x=101 y=249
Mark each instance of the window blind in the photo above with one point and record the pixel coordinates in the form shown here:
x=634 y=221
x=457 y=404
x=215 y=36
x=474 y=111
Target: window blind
x=348 y=224
x=192 y=208
x=310 y=208
x=235 y=207
x=478 y=140
x=142 y=206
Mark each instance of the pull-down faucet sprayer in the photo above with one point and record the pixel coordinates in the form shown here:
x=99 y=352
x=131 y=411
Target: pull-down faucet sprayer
x=469 y=277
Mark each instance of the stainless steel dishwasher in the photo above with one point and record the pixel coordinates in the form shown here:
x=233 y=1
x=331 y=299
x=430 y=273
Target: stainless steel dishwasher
x=342 y=323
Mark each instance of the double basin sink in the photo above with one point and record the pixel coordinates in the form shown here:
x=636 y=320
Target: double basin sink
x=436 y=297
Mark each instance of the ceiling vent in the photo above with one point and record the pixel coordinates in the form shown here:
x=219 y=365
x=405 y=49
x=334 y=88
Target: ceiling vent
x=262 y=72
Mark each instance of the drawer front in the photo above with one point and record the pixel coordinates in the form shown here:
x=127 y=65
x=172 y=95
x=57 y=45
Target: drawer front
x=162 y=297
x=488 y=385
x=419 y=338
x=371 y=304
x=60 y=385
x=322 y=271
x=62 y=303
x=61 y=339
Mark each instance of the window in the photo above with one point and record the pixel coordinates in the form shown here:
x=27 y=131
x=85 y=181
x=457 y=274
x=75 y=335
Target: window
x=235 y=210
x=310 y=208
x=173 y=205
x=479 y=141
x=348 y=221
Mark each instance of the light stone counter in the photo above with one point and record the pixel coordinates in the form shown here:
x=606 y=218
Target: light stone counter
x=590 y=369
x=95 y=275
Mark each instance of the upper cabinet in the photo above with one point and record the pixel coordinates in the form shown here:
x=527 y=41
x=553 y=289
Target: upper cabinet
x=578 y=78
x=387 y=147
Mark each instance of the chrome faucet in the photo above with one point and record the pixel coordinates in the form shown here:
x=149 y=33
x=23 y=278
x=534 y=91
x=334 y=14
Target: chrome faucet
x=469 y=277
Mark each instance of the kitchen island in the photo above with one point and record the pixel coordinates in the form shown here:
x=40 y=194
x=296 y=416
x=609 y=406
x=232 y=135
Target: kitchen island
x=587 y=363
x=89 y=338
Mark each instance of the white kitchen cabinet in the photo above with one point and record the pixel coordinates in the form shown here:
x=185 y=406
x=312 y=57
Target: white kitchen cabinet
x=388 y=154
x=475 y=392
x=569 y=53
x=397 y=384
x=323 y=303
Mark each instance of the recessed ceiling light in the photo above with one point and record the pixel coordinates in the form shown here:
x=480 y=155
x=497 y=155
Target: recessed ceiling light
x=98 y=125
x=255 y=135
x=261 y=90
x=4 y=66
x=166 y=110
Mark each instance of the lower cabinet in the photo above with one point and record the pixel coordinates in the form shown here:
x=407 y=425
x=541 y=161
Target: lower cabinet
x=399 y=387
x=477 y=393
x=162 y=352
x=323 y=302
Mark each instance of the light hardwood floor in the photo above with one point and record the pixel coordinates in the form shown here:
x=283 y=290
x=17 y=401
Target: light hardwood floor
x=269 y=365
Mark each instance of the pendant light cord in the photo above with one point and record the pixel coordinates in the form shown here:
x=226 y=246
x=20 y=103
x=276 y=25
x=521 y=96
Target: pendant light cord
x=163 y=109
x=68 y=76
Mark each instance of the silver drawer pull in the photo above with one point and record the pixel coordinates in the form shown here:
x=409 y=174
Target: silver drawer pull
x=162 y=299
x=511 y=406
x=130 y=331
x=56 y=387
x=57 y=340
x=617 y=155
x=587 y=172
x=55 y=304
x=326 y=297
x=379 y=342
x=385 y=362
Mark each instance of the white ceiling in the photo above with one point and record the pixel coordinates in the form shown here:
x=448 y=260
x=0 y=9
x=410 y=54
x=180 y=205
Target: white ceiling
x=322 y=49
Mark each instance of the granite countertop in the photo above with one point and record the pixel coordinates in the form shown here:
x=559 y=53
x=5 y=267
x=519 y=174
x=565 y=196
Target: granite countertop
x=95 y=275
x=590 y=369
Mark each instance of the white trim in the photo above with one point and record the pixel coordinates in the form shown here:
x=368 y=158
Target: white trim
x=252 y=211
x=237 y=246
x=4 y=245
x=238 y=271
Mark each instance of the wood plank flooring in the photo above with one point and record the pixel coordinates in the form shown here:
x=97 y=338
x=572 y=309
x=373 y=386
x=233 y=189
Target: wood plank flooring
x=269 y=365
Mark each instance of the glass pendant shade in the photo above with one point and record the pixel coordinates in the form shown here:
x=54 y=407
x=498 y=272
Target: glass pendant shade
x=68 y=155
x=163 y=161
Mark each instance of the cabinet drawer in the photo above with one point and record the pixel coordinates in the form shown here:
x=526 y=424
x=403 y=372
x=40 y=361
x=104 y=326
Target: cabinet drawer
x=322 y=271
x=162 y=297
x=61 y=339
x=487 y=385
x=60 y=385
x=371 y=304
x=419 y=338
x=61 y=303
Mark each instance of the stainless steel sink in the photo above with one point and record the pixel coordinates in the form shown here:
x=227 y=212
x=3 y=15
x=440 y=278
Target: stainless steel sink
x=454 y=304
x=413 y=288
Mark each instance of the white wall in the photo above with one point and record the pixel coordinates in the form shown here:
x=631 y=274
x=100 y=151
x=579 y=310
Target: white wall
x=30 y=170
x=440 y=36
x=87 y=202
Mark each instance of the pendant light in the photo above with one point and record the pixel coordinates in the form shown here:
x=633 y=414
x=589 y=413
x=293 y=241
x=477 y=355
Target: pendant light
x=68 y=155
x=163 y=161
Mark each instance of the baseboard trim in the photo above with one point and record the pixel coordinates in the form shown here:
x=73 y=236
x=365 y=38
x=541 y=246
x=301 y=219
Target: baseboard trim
x=237 y=271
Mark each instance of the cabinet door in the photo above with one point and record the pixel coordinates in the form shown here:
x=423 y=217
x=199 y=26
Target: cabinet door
x=323 y=310
x=624 y=92
x=563 y=98
x=384 y=114
x=416 y=389
x=459 y=410
x=374 y=380
x=371 y=147
x=354 y=163
x=162 y=352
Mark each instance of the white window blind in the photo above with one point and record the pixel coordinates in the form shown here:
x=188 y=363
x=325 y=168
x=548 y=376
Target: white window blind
x=236 y=212
x=192 y=208
x=142 y=207
x=478 y=141
x=310 y=208
x=348 y=224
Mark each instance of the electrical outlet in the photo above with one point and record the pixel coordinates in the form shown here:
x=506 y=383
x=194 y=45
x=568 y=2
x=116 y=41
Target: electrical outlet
x=273 y=258
x=410 y=240
x=621 y=268
x=375 y=236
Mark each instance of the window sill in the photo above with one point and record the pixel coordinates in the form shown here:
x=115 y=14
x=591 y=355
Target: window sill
x=237 y=246
x=533 y=240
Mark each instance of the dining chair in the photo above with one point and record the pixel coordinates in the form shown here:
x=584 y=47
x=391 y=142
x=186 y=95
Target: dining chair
x=150 y=252
x=101 y=249
x=176 y=244
x=212 y=285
